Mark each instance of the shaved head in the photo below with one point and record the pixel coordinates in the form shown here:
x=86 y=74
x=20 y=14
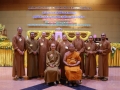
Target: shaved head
x=71 y=47
x=19 y=29
x=43 y=34
x=53 y=46
x=103 y=36
x=64 y=37
x=77 y=35
x=53 y=37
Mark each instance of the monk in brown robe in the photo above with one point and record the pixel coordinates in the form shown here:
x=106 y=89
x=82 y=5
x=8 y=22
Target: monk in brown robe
x=79 y=46
x=103 y=51
x=18 y=43
x=62 y=48
x=52 y=72
x=72 y=68
x=90 y=58
x=52 y=40
x=32 y=46
x=43 y=42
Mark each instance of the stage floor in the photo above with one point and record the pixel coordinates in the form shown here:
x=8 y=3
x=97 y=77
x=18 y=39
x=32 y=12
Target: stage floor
x=7 y=82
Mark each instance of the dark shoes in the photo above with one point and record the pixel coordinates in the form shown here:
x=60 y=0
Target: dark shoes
x=20 y=78
x=51 y=84
x=73 y=83
x=62 y=81
x=103 y=78
x=91 y=77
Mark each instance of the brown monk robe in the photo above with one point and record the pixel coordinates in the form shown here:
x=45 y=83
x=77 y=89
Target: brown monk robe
x=62 y=48
x=104 y=49
x=18 y=43
x=90 y=58
x=52 y=40
x=32 y=46
x=52 y=72
x=43 y=42
x=79 y=46
x=72 y=69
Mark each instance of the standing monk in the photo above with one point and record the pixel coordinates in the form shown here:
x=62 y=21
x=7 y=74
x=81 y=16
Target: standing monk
x=63 y=48
x=90 y=58
x=18 y=43
x=52 y=40
x=79 y=46
x=32 y=46
x=43 y=42
x=104 y=49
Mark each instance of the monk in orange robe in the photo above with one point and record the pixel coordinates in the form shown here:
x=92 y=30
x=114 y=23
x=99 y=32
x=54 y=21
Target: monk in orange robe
x=72 y=67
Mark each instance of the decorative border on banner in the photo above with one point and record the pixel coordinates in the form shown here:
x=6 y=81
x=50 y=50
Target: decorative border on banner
x=58 y=7
x=59 y=24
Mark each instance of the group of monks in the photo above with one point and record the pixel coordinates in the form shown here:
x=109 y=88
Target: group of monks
x=60 y=61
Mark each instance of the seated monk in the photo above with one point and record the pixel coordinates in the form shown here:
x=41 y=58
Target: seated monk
x=52 y=73
x=72 y=68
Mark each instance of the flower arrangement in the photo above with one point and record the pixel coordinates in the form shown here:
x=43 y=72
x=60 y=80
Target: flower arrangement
x=113 y=49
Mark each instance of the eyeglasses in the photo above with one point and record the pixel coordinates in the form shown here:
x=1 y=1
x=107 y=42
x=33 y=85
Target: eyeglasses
x=102 y=35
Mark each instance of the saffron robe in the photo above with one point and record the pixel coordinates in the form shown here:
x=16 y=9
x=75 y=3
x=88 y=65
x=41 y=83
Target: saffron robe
x=73 y=72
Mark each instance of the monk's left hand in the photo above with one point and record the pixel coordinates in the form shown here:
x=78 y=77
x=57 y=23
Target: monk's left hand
x=23 y=53
x=52 y=66
x=34 y=52
x=91 y=52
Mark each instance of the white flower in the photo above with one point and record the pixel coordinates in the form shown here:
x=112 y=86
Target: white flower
x=113 y=49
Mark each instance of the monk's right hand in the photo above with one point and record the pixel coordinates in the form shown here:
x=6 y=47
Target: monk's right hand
x=20 y=52
x=70 y=65
x=34 y=52
x=51 y=66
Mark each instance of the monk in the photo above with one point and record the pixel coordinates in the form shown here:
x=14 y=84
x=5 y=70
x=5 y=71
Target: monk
x=79 y=47
x=32 y=46
x=52 y=40
x=18 y=43
x=63 y=48
x=52 y=72
x=72 y=67
x=103 y=51
x=90 y=58
x=43 y=42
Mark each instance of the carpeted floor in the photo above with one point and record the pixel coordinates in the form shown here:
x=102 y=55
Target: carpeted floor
x=45 y=86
